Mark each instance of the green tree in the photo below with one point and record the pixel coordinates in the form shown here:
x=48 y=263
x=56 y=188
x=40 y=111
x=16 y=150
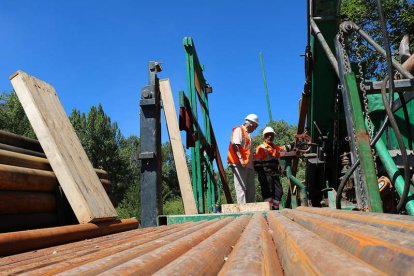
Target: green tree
x=400 y=20
x=12 y=116
x=170 y=185
x=101 y=140
x=130 y=204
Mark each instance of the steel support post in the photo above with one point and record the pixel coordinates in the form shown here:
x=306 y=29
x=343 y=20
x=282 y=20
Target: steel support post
x=150 y=133
x=363 y=145
x=196 y=170
x=293 y=180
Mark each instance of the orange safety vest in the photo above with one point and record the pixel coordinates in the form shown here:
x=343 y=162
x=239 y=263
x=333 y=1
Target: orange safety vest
x=244 y=148
x=267 y=152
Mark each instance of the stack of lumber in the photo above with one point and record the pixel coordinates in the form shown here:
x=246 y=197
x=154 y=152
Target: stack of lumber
x=30 y=194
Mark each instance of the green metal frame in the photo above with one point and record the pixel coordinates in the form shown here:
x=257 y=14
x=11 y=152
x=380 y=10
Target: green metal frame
x=205 y=185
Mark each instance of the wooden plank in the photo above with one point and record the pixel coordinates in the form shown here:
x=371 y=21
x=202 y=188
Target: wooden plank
x=177 y=148
x=246 y=207
x=63 y=149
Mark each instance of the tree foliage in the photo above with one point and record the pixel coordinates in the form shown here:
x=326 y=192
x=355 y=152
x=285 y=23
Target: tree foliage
x=12 y=116
x=399 y=16
x=285 y=133
x=107 y=148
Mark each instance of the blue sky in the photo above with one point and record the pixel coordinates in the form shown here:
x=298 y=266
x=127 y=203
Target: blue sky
x=97 y=52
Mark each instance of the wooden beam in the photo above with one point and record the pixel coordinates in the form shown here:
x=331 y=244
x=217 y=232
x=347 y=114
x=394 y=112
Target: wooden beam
x=63 y=149
x=245 y=207
x=177 y=148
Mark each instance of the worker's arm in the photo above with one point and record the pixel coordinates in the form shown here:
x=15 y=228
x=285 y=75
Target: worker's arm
x=237 y=151
x=409 y=64
x=236 y=141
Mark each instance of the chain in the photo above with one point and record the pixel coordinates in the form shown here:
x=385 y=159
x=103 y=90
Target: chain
x=364 y=97
x=362 y=86
x=347 y=68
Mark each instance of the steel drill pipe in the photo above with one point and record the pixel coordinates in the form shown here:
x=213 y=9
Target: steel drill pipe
x=25 y=179
x=300 y=251
x=15 y=140
x=254 y=253
x=26 y=202
x=102 y=174
x=18 y=222
x=59 y=258
x=33 y=162
x=392 y=253
x=24 y=160
x=15 y=242
x=119 y=255
x=14 y=178
x=209 y=256
x=154 y=260
x=62 y=257
x=398 y=223
x=21 y=150
x=68 y=250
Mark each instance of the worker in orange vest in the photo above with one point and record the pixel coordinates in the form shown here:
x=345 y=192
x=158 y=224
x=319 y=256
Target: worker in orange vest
x=240 y=159
x=266 y=163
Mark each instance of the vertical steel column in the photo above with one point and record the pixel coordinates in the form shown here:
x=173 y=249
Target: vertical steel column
x=150 y=133
x=363 y=145
x=207 y=127
x=196 y=171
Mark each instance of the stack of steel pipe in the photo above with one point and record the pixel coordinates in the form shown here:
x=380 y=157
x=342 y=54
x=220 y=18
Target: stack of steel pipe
x=294 y=242
x=30 y=196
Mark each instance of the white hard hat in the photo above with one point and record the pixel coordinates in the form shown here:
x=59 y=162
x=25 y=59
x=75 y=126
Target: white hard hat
x=268 y=130
x=252 y=118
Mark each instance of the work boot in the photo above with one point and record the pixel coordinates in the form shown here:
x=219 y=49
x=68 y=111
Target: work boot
x=404 y=49
x=275 y=204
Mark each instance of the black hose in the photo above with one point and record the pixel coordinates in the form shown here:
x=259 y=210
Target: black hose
x=400 y=141
x=407 y=121
x=393 y=123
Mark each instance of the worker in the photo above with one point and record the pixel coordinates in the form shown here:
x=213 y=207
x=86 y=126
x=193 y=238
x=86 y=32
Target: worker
x=266 y=163
x=240 y=159
x=407 y=59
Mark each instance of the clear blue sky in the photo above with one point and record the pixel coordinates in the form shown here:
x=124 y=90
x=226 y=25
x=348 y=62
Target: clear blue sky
x=97 y=52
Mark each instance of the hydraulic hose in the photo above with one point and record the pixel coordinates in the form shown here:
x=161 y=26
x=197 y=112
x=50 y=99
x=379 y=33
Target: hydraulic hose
x=393 y=123
x=400 y=141
x=407 y=120
x=389 y=118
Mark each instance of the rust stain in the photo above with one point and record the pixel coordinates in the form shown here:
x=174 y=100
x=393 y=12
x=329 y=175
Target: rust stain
x=362 y=136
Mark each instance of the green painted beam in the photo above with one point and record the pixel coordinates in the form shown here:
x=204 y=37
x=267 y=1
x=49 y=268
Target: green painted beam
x=178 y=219
x=363 y=145
x=202 y=165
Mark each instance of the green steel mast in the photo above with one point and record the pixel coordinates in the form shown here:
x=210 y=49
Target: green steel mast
x=265 y=85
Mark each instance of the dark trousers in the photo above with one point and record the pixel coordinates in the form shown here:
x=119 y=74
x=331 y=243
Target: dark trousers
x=270 y=183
